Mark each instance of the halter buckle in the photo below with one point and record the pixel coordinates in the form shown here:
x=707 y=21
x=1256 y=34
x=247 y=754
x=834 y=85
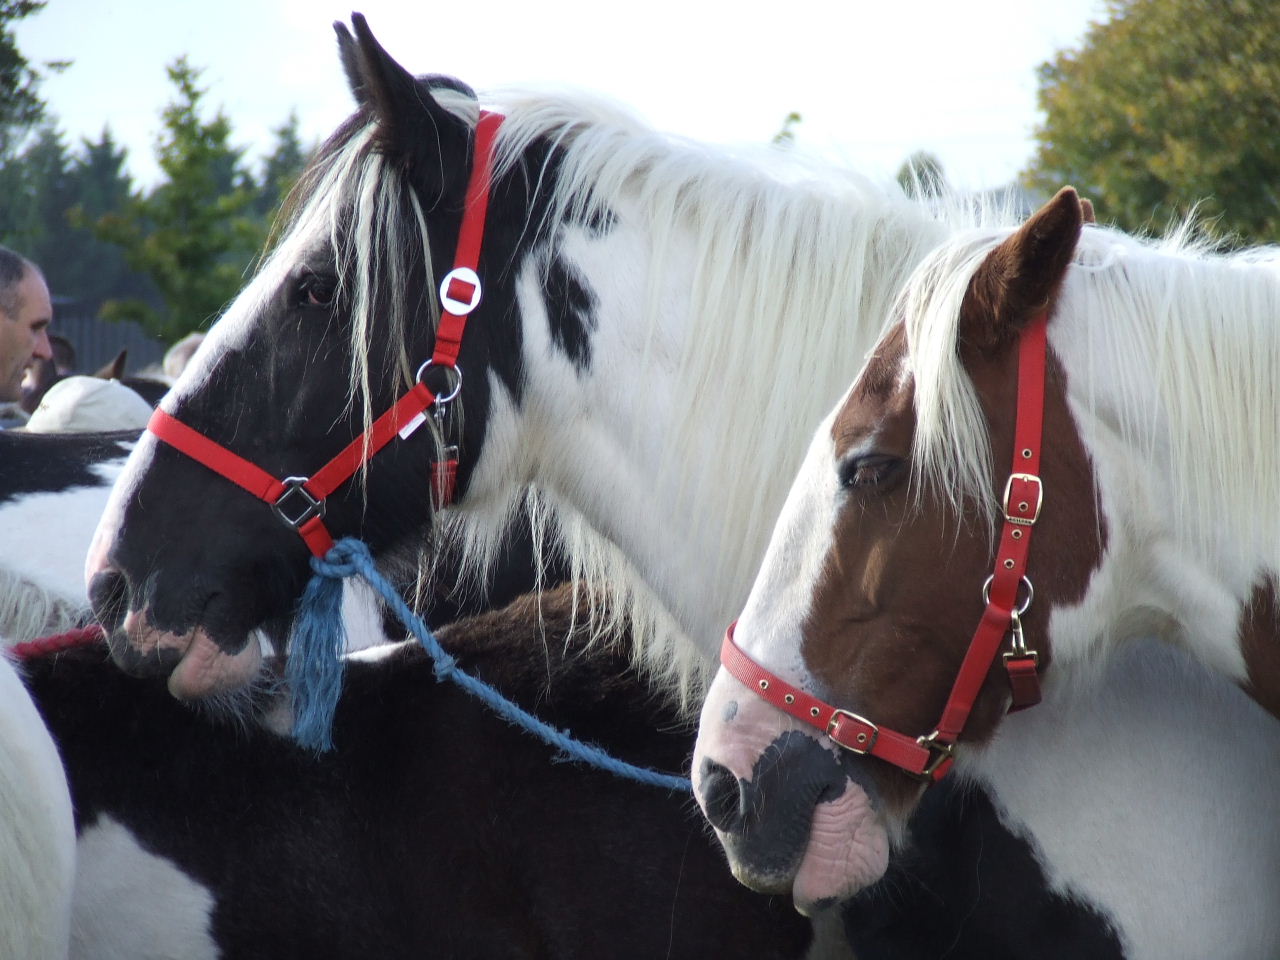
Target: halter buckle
x=865 y=739
x=943 y=753
x=311 y=506
x=1024 y=507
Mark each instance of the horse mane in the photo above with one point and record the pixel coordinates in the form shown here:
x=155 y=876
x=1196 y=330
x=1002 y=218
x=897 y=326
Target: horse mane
x=794 y=265
x=1205 y=322
x=29 y=611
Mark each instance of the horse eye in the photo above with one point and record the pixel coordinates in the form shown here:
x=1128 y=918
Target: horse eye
x=316 y=291
x=871 y=470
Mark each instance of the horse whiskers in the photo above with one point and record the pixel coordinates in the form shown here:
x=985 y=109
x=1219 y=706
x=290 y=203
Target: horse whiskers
x=263 y=702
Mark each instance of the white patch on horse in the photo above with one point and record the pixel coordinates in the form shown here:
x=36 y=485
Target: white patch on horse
x=43 y=529
x=1101 y=758
x=37 y=832
x=130 y=903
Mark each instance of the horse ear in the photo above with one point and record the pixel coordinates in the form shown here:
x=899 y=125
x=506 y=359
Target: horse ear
x=1020 y=277
x=350 y=57
x=412 y=126
x=115 y=369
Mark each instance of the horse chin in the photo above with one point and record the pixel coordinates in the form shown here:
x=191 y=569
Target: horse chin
x=196 y=666
x=848 y=850
x=206 y=669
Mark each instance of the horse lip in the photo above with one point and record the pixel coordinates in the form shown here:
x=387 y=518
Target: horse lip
x=156 y=661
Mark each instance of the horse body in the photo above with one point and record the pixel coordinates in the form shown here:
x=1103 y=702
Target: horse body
x=37 y=836
x=52 y=492
x=433 y=822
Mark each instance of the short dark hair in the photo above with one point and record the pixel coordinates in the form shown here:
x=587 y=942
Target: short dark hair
x=13 y=267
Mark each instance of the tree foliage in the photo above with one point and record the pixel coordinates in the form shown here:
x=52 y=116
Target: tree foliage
x=195 y=234
x=21 y=108
x=1167 y=104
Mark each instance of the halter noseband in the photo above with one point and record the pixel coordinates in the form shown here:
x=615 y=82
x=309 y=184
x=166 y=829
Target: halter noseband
x=299 y=502
x=929 y=757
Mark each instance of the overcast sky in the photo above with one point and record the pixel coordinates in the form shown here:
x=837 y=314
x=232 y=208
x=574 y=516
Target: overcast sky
x=874 y=82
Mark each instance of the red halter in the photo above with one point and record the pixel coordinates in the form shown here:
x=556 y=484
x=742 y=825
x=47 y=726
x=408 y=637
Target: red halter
x=299 y=502
x=929 y=757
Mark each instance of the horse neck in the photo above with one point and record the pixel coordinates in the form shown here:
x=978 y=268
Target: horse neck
x=1170 y=376
x=668 y=454
x=1111 y=731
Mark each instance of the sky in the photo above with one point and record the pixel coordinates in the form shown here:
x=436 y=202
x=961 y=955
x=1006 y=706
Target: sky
x=874 y=82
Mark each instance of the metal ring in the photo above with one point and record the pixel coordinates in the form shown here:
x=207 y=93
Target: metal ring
x=457 y=387
x=1031 y=592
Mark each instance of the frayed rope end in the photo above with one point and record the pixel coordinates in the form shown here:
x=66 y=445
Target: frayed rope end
x=315 y=666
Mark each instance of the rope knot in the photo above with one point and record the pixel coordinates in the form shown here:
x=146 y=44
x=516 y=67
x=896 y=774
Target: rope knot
x=346 y=558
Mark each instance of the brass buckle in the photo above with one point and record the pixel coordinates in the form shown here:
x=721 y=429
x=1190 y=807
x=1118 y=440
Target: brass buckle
x=870 y=740
x=1008 y=489
x=945 y=752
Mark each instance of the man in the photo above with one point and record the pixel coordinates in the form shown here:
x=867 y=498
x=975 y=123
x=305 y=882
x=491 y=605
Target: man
x=25 y=315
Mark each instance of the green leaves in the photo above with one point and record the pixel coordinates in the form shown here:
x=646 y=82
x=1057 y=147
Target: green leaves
x=1170 y=104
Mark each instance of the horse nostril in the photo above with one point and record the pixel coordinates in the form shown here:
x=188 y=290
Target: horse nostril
x=723 y=796
x=109 y=596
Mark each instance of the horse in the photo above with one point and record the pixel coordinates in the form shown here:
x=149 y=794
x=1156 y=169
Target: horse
x=639 y=295
x=53 y=489
x=432 y=822
x=1127 y=441
x=37 y=835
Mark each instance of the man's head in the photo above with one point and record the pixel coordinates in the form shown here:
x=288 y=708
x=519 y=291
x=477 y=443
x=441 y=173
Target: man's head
x=25 y=314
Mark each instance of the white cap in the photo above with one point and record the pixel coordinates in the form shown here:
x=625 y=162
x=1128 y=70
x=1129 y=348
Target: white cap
x=88 y=405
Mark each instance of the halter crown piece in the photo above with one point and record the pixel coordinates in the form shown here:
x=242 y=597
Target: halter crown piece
x=314 y=667
x=929 y=757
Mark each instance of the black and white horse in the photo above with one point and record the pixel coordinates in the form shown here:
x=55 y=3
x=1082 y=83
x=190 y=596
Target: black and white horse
x=660 y=323
x=52 y=490
x=433 y=825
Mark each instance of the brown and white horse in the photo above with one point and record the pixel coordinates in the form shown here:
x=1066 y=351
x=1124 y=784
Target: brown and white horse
x=1154 y=511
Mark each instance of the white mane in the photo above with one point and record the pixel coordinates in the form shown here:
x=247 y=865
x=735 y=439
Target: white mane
x=1202 y=329
x=29 y=611
x=795 y=266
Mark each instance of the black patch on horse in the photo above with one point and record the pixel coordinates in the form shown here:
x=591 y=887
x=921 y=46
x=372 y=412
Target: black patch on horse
x=571 y=311
x=54 y=463
x=968 y=889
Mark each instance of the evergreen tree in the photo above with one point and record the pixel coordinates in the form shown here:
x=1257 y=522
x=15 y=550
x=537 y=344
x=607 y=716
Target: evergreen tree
x=21 y=108
x=194 y=235
x=281 y=168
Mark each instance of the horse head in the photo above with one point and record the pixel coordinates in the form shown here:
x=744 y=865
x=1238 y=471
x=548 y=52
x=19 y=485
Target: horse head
x=873 y=583
x=332 y=329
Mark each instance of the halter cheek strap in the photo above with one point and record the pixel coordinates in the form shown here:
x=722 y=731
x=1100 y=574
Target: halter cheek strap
x=929 y=757
x=299 y=502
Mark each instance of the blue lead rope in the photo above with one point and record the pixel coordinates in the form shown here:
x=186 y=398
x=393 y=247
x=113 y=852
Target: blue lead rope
x=315 y=666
